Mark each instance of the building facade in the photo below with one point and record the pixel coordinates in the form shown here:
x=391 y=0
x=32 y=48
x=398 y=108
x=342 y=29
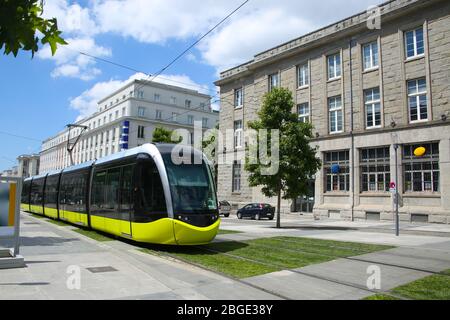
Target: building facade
x=373 y=96
x=28 y=165
x=126 y=119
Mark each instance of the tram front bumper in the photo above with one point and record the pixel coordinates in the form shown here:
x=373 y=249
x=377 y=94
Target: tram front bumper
x=187 y=234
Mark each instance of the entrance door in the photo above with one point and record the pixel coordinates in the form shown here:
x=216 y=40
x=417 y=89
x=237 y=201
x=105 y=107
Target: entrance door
x=126 y=200
x=305 y=203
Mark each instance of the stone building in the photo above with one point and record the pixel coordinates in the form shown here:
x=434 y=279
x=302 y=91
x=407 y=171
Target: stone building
x=365 y=90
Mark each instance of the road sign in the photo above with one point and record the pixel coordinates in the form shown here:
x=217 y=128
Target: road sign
x=392 y=187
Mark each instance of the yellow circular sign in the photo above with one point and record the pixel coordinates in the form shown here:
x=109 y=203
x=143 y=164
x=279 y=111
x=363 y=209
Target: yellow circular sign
x=419 y=151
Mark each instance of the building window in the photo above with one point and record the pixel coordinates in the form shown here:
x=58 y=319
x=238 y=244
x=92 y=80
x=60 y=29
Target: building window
x=202 y=105
x=417 y=100
x=117 y=114
x=334 y=66
x=303 y=112
x=274 y=81
x=373 y=108
x=370 y=55
x=174 y=116
x=335 y=114
x=337 y=171
x=141 y=112
x=140 y=94
x=238 y=134
x=123 y=111
x=421 y=174
x=375 y=170
x=414 y=43
x=238 y=98
x=302 y=75
x=204 y=122
x=187 y=103
x=236 y=177
x=173 y=100
x=190 y=119
x=158 y=114
x=141 y=130
x=157 y=97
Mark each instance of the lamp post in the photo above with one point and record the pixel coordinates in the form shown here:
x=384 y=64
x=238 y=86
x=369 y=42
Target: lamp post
x=397 y=226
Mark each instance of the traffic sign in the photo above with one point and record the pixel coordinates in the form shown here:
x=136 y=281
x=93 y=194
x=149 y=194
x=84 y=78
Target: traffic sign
x=392 y=187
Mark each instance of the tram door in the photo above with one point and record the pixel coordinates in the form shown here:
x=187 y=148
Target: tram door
x=126 y=200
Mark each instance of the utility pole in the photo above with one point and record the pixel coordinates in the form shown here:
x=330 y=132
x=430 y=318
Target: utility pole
x=71 y=146
x=397 y=226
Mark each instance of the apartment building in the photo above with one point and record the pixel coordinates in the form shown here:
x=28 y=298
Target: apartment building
x=28 y=165
x=126 y=119
x=366 y=91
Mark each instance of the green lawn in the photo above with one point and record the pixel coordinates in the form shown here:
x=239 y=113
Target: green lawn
x=221 y=231
x=380 y=297
x=93 y=235
x=434 y=287
x=260 y=256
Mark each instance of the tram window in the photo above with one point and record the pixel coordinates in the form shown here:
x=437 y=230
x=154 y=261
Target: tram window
x=150 y=202
x=112 y=189
x=191 y=187
x=37 y=192
x=51 y=192
x=127 y=180
x=26 y=192
x=98 y=192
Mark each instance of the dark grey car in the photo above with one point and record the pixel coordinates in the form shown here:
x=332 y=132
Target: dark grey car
x=256 y=211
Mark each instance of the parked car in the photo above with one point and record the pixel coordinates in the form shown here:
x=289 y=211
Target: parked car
x=256 y=211
x=224 y=208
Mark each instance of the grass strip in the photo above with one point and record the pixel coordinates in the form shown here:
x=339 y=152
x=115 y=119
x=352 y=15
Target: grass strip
x=255 y=257
x=223 y=231
x=434 y=287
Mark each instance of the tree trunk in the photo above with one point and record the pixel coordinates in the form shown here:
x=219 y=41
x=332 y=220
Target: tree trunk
x=278 y=208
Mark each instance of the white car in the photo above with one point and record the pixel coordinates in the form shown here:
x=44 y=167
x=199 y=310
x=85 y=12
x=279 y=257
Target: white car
x=224 y=208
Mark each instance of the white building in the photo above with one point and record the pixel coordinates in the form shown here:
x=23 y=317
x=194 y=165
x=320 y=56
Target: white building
x=126 y=119
x=28 y=165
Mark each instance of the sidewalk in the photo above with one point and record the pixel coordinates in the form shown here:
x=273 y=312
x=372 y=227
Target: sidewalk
x=109 y=270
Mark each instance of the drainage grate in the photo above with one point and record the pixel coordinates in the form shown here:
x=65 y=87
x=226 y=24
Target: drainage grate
x=101 y=269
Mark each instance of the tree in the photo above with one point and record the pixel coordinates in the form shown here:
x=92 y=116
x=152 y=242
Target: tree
x=163 y=135
x=297 y=159
x=19 y=22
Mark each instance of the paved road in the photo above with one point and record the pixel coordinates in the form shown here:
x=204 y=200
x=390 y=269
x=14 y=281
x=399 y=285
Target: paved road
x=49 y=250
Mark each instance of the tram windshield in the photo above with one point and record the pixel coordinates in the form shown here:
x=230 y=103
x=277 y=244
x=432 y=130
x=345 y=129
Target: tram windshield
x=191 y=186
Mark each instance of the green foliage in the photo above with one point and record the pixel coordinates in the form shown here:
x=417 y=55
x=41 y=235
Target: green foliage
x=210 y=142
x=19 y=22
x=163 y=135
x=297 y=159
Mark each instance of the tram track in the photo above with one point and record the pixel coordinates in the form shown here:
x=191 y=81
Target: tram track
x=296 y=271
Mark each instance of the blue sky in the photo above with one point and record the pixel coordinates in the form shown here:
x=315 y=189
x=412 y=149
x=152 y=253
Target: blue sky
x=40 y=96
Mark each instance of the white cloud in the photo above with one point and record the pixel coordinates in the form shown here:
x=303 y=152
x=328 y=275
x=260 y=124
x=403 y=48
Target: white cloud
x=86 y=103
x=79 y=29
x=70 y=63
x=259 y=25
x=155 y=21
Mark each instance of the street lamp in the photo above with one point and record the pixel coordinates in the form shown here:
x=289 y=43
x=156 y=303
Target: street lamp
x=397 y=222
